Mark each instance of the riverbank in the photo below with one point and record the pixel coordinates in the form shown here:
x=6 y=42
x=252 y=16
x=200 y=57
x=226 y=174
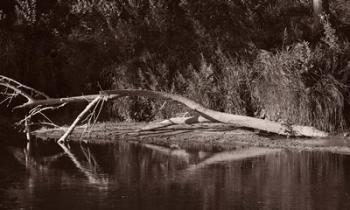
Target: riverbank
x=203 y=136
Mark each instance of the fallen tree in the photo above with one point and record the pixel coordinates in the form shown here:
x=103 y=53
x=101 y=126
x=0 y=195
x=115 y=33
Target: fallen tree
x=38 y=102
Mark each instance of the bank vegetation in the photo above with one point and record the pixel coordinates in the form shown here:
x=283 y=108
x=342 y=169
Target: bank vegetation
x=261 y=59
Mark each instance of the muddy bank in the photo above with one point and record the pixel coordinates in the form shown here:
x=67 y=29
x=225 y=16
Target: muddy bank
x=204 y=136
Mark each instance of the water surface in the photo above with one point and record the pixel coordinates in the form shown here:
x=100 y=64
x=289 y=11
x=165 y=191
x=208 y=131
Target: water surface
x=42 y=175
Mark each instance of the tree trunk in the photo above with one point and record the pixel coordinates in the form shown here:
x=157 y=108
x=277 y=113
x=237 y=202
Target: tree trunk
x=215 y=116
x=209 y=114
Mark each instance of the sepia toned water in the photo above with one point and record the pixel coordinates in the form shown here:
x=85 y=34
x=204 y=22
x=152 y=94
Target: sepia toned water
x=123 y=175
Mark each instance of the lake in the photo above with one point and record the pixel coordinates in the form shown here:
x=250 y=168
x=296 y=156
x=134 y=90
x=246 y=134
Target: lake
x=122 y=175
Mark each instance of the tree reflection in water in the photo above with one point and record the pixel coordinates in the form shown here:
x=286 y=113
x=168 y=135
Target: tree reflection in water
x=135 y=176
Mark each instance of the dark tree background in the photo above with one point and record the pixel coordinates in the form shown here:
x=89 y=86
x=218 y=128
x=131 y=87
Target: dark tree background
x=65 y=47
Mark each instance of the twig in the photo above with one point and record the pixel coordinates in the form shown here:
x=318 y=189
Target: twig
x=17 y=90
x=89 y=126
x=47 y=123
x=38 y=110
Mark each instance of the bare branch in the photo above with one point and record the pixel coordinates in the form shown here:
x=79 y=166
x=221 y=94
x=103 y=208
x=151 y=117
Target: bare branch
x=20 y=85
x=91 y=119
x=18 y=91
x=57 y=101
x=47 y=124
x=39 y=110
x=77 y=120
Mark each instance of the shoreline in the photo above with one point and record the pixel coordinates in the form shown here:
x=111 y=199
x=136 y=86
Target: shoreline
x=215 y=137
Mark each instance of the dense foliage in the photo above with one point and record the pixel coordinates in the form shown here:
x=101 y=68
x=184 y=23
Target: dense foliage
x=261 y=58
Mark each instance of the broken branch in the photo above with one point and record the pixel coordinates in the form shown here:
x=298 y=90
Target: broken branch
x=77 y=120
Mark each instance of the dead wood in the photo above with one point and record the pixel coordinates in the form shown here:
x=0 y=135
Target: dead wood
x=175 y=121
x=78 y=119
x=215 y=116
x=205 y=114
